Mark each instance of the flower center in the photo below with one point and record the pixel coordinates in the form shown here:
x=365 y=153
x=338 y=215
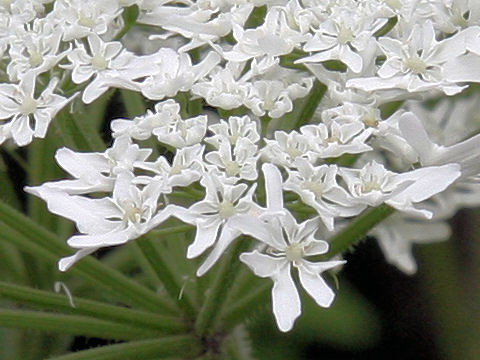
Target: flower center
x=132 y=212
x=294 y=252
x=86 y=21
x=333 y=139
x=226 y=209
x=233 y=138
x=28 y=106
x=5 y=3
x=345 y=35
x=315 y=187
x=370 y=120
x=293 y=152
x=99 y=62
x=394 y=4
x=458 y=19
x=416 y=65
x=35 y=59
x=231 y=168
x=182 y=127
x=176 y=169
x=370 y=186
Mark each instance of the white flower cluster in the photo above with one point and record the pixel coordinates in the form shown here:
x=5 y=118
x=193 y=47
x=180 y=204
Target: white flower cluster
x=258 y=58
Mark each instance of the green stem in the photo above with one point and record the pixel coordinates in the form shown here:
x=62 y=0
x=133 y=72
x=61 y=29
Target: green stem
x=310 y=104
x=12 y=265
x=358 y=229
x=170 y=230
x=133 y=102
x=17 y=158
x=165 y=275
x=79 y=132
x=187 y=346
x=246 y=305
x=35 y=239
x=264 y=121
x=209 y=314
x=130 y=15
x=50 y=301
x=71 y=324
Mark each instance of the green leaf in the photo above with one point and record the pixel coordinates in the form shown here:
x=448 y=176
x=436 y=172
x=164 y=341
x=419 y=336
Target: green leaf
x=165 y=274
x=187 y=346
x=133 y=102
x=256 y=18
x=7 y=191
x=50 y=301
x=209 y=316
x=71 y=324
x=79 y=132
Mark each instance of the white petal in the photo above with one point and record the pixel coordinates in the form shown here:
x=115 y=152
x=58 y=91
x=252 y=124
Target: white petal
x=273 y=187
x=316 y=287
x=351 y=59
x=252 y=226
x=65 y=263
x=428 y=181
x=415 y=134
x=463 y=68
x=262 y=265
x=226 y=237
x=316 y=247
x=100 y=240
x=285 y=299
x=204 y=238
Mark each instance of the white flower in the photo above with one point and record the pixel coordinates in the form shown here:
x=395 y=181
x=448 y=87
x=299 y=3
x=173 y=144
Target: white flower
x=272 y=39
x=233 y=164
x=288 y=245
x=417 y=63
x=141 y=127
x=96 y=172
x=79 y=18
x=109 y=63
x=108 y=221
x=223 y=90
x=373 y=185
x=180 y=133
x=202 y=22
x=286 y=147
x=332 y=139
x=185 y=168
x=175 y=73
x=343 y=36
x=235 y=129
x=213 y=215
x=34 y=50
x=21 y=109
x=166 y=124
x=318 y=188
